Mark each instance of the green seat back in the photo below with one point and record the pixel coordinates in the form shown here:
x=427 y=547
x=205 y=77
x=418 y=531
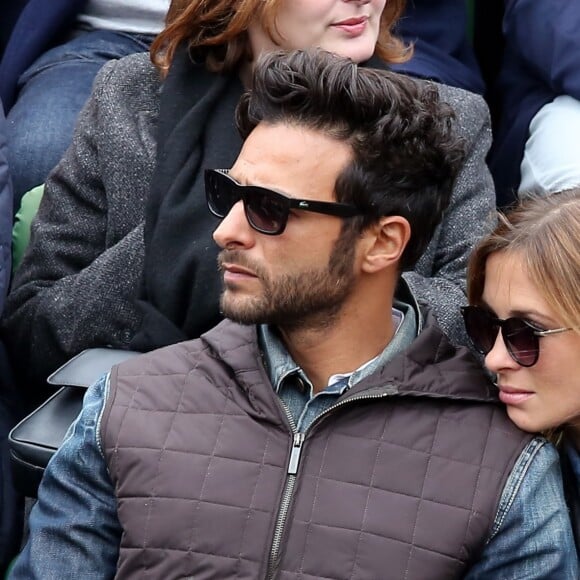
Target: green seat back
x=21 y=230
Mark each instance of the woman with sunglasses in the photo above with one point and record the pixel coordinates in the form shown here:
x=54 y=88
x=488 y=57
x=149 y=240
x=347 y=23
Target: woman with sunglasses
x=123 y=217
x=524 y=316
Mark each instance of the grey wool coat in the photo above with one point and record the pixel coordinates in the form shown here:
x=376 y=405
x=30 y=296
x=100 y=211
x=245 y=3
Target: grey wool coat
x=79 y=279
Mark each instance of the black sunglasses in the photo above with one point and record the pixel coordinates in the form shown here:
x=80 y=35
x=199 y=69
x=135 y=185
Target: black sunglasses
x=266 y=210
x=521 y=337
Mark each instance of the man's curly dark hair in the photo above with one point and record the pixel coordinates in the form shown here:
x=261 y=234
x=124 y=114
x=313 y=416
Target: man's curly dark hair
x=406 y=152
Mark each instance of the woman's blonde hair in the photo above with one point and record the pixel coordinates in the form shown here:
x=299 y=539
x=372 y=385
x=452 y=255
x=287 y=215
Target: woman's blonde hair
x=219 y=29
x=545 y=233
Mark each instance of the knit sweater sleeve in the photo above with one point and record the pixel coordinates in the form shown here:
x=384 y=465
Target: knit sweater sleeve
x=76 y=286
x=439 y=278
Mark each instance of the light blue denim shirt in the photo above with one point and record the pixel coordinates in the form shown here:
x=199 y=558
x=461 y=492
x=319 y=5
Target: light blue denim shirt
x=75 y=533
x=295 y=389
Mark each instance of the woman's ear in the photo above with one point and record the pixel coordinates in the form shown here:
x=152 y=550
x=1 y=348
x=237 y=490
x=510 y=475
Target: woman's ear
x=387 y=240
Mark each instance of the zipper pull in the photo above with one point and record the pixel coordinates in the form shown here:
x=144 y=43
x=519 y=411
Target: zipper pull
x=295 y=453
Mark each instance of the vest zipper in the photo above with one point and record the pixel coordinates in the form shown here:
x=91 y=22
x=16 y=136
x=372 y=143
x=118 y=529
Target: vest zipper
x=298 y=439
x=295 y=454
x=285 y=503
x=292 y=470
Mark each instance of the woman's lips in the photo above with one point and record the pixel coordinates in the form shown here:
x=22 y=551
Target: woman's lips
x=352 y=26
x=510 y=396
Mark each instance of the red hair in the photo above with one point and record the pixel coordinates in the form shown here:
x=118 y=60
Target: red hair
x=219 y=28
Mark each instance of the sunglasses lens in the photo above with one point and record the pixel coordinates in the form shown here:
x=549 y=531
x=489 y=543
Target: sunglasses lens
x=481 y=328
x=220 y=193
x=521 y=341
x=266 y=212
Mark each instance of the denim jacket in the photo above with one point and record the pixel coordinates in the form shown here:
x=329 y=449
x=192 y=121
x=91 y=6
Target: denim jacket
x=75 y=532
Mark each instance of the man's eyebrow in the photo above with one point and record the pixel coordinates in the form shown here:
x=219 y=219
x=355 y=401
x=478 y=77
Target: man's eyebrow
x=266 y=187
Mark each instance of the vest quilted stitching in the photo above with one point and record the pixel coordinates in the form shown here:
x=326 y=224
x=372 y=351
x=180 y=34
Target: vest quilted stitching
x=401 y=485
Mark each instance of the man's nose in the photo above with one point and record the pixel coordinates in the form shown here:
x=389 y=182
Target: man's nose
x=234 y=230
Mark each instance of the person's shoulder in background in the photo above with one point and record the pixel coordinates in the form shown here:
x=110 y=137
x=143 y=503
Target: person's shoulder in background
x=537 y=99
x=443 y=49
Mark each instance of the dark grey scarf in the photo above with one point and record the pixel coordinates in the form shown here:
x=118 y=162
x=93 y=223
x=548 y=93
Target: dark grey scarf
x=196 y=130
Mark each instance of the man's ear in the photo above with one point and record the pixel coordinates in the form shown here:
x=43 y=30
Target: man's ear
x=387 y=240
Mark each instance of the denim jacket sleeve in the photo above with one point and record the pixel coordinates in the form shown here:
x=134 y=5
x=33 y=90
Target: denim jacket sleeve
x=531 y=536
x=74 y=529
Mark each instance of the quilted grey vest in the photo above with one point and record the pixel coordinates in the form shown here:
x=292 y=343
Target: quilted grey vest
x=400 y=479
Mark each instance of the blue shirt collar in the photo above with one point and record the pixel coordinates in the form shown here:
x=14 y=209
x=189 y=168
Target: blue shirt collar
x=280 y=364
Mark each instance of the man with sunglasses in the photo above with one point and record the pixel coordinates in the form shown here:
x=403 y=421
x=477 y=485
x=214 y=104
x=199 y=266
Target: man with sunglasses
x=326 y=429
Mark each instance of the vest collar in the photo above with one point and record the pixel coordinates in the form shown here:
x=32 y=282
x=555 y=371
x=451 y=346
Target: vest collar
x=431 y=366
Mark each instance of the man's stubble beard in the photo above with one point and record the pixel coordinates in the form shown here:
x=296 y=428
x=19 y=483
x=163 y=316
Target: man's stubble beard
x=307 y=299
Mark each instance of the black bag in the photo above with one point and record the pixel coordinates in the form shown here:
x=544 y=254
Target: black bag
x=36 y=438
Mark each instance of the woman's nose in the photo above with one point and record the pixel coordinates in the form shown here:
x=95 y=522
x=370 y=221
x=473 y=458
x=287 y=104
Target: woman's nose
x=498 y=357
